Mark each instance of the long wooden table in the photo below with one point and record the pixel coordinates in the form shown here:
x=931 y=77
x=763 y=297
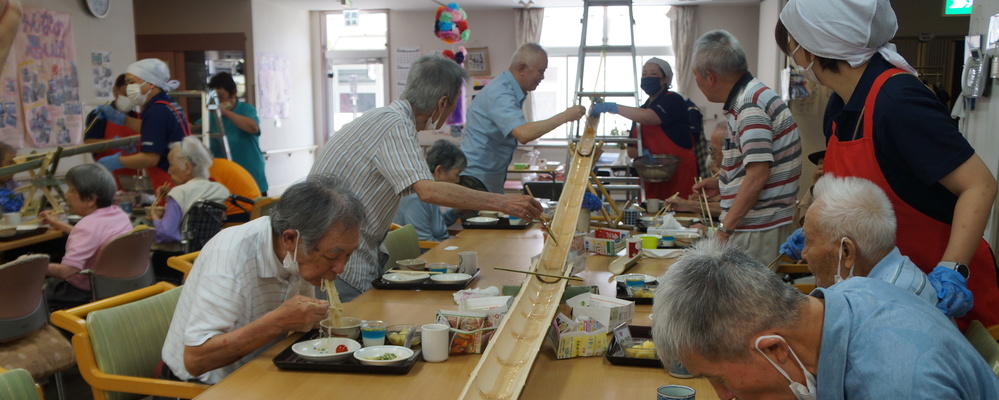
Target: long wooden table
x=43 y=237
x=577 y=378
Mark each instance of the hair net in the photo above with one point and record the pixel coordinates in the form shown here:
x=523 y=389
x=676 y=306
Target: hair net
x=155 y=72
x=663 y=65
x=848 y=30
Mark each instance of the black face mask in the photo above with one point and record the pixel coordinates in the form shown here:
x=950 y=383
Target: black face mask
x=650 y=84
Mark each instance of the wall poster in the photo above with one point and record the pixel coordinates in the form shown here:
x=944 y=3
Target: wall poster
x=273 y=84
x=103 y=79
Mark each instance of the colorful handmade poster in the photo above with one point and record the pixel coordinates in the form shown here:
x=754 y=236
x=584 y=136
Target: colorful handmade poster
x=273 y=84
x=11 y=125
x=47 y=78
x=103 y=79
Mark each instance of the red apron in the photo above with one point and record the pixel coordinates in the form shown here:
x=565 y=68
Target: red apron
x=654 y=139
x=921 y=238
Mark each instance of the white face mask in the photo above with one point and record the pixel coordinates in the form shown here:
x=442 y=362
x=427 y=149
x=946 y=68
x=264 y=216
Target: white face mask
x=134 y=92
x=801 y=392
x=839 y=265
x=290 y=264
x=807 y=71
x=431 y=124
x=123 y=104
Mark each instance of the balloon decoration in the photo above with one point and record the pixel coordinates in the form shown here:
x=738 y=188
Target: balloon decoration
x=451 y=24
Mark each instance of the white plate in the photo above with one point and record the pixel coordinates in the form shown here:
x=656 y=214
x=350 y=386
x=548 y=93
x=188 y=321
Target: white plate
x=27 y=227
x=450 y=278
x=621 y=278
x=324 y=350
x=482 y=220
x=402 y=354
x=400 y=277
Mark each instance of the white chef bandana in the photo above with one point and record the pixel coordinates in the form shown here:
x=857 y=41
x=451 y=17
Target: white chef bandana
x=663 y=65
x=155 y=72
x=848 y=30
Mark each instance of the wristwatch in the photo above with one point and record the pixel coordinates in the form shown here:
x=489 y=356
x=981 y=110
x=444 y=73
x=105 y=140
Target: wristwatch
x=959 y=267
x=723 y=229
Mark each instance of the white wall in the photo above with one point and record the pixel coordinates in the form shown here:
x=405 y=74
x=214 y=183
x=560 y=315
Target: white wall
x=286 y=32
x=981 y=123
x=771 y=59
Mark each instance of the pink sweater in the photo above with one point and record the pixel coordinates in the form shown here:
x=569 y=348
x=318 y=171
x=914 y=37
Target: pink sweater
x=92 y=232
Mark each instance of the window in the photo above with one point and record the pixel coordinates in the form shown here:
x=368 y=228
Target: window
x=355 y=57
x=560 y=34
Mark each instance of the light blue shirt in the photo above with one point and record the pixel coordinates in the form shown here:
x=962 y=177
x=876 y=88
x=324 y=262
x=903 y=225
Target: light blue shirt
x=488 y=143
x=880 y=342
x=429 y=221
x=898 y=270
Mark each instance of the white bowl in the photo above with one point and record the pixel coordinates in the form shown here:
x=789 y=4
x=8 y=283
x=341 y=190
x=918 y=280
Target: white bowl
x=450 y=278
x=30 y=227
x=366 y=354
x=324 y=350
x=488 y=214
x=349 y=327
x=482 y=220
x=402 y=277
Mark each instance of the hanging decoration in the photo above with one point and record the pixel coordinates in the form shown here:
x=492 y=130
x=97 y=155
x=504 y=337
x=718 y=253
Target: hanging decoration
x=457 y=56
x=451 y=24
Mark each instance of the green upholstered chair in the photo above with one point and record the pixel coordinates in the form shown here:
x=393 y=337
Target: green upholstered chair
x=118 y=342
x=401 y=244
x=985 y=343
x=17 y=384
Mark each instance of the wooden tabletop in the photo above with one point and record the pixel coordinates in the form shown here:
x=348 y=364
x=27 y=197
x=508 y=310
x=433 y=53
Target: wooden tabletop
x=549 y=379
x=42 y=237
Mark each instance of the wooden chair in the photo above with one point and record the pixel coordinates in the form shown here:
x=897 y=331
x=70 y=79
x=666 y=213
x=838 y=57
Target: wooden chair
x=118 y=342
x=122 y=264
x=16 y=384
x=26 y=339
x=424 y=244
x=183 y=263
x=262 y=206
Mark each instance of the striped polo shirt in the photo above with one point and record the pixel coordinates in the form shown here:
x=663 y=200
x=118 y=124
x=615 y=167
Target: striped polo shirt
x=761 y=129
x=379 y=158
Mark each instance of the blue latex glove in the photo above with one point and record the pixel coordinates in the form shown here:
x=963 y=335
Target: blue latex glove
x=111 y=114
x=952 y=289
x=591 y=202
x=794 y=244
x=600 y=108
x=112 y=162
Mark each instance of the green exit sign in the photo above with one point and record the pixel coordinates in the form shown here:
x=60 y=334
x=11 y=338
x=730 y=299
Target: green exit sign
x=957 y=7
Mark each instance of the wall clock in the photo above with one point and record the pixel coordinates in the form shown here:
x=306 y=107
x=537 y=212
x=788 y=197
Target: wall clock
x=99 y=8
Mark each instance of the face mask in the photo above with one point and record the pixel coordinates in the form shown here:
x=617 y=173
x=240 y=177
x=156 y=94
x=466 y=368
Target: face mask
x=290 y=264
x=134 y=92
x=807 y=71
x=431 y=124
x=839 y=265
x=123 y=104
x=651 y=85
x=801 y=392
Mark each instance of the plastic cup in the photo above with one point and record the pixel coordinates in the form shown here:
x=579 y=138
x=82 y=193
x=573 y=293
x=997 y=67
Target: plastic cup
x=373 y=333
x=675 y=392
x=650 y=241
x=634 y=280
x=440 y=267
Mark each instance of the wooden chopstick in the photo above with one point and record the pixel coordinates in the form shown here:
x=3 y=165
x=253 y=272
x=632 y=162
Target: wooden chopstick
x=94 y=121
x=571 y=278
x=542 y=219
x=775 y=261
x=668 y=206
x=707 y=206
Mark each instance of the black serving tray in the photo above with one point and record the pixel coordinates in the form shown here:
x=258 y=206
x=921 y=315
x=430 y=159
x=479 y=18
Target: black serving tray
x=19 y=234
x=288 y=360
x=622 y=293
x=425 y=285
x=615 y=354
x=503 y=223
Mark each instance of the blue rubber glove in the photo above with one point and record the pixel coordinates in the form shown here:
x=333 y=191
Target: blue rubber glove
x=111 y=114
x=112 y=162
x=592 y=202
x=794 y=244
x=600 y=108
x=952 y=289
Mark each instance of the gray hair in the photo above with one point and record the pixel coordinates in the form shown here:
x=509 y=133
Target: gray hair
x=446 y=154
x=195 y=153
x=527 y=53
x=855 y=208
x=714 y=299
x=92 y=181
x=720 y=53
x=314 y=206
x=430 y=78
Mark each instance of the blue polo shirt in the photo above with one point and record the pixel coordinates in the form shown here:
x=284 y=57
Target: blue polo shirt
x=917 y=143
x=161 y=126
x=492 y=116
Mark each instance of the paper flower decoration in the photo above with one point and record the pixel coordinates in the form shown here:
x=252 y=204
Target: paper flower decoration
x=10 y=201
x=451 y=24
x=458 y=57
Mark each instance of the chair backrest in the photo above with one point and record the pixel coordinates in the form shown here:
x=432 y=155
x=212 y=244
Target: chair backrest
x=262 y=206
x=24 y=310
x=127 y=339
x=401 y=244
x=986 y=345
x=122 y=264
x=201 y=222
x=17 y=384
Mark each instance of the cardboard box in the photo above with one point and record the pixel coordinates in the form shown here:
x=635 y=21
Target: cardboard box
x=584 y=337
x=608 y=311
x=470 y=330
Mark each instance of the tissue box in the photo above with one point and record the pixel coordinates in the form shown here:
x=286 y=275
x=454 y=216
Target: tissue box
x=608 y=311
x=580 y=338
x=619 y=235
x=606 y=241
x=470 y=330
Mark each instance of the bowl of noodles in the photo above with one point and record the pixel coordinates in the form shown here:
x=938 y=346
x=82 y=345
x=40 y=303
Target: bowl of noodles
x=326 y=350
x=349 y=327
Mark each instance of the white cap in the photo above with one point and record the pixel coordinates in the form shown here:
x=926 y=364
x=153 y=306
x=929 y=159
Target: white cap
x=848 y=30
x=667 y=70
x=155 y=72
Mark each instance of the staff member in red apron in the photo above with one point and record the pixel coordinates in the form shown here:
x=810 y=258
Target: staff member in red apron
x=884 y=125
x=665 y=128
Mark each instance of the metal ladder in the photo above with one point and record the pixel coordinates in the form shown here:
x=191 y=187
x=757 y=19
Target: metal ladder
x=627 y=184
